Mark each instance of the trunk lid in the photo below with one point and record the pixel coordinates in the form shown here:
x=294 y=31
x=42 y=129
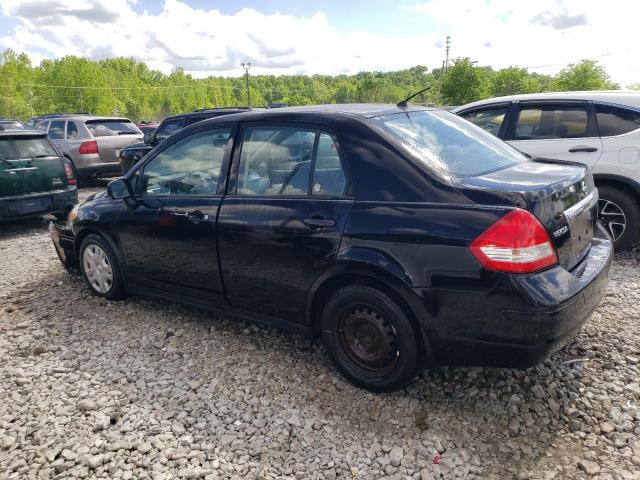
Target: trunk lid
x=563 y=197
x=29 y=164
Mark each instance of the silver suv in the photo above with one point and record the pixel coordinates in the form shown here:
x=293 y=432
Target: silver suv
x=92 y=143
x=599 y=129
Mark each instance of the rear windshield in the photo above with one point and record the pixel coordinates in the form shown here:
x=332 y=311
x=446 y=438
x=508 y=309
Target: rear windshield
x=449 y=143
x=110 y=127
x=13 y=149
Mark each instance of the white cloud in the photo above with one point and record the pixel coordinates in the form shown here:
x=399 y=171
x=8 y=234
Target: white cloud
x=204 y=42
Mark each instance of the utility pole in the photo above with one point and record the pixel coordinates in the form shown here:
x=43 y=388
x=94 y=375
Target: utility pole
x=448 y=47
x=247 y=66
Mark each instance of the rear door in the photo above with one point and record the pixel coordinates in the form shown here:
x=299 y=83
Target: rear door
x=112 y=135
x=11 y=176
x=282 y=220
x=556 y=130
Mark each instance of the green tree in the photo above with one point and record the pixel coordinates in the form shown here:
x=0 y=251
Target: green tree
x=463 y=83
x=511 y=81
x=586 y=75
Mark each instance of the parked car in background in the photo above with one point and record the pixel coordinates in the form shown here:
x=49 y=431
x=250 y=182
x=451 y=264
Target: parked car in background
x=133 y=153
x=11 y=124
x=34 y=177
x=598 y=129
x=147 y=129
x=31 y=124
x=92 y=143
x=399 y=236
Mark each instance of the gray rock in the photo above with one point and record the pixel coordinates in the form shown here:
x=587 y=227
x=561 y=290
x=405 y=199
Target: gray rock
x=87 y=405
x=590 y=468
x=395 y=456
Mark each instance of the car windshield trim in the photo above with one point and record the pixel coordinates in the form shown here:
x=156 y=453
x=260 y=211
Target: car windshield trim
x=448 y=144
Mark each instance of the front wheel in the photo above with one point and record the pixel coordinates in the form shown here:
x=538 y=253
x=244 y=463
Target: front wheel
x=370 y=339
x=100 y=268
x=620 y=214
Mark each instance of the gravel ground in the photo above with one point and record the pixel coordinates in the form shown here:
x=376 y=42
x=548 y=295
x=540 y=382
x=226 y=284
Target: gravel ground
x=145 y=389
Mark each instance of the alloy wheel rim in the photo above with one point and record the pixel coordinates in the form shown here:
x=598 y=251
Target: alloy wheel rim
x=367 y=341
x=97 y=268
x=612 y=217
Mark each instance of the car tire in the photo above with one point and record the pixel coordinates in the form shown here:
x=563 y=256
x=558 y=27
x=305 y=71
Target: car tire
x=614 y=204
x=100 y=268
x=370 y=339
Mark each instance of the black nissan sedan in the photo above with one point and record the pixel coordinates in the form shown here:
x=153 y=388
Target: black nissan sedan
x=402 y=237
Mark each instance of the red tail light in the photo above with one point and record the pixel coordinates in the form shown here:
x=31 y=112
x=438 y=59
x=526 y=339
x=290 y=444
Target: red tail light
x=517 y=243
x=88 y=147
x=68 y=171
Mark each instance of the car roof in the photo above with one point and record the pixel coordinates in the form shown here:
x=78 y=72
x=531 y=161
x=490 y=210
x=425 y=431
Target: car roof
x=622 y=97
x=22 y=132
x=319 y=112
x=86 y=118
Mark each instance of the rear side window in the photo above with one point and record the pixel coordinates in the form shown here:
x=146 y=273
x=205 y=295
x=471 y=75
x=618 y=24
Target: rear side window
x=56 y=129
x=489 y=119
x=550 y=122
x=615 y=120
x=276 y=161
x=110 y=127
x=328 y=175
x=6 y=150
x=445 y=142
x=72 y=131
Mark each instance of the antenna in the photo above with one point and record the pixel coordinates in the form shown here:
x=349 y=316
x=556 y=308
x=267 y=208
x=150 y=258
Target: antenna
x=448 y=47
x=404 y=104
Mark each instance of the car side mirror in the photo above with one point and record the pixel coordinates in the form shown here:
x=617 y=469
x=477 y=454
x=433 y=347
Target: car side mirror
x=119 y=189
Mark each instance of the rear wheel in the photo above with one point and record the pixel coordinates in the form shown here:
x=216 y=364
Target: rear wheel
x=620 y=214
x=100 y=268
x=370 y=339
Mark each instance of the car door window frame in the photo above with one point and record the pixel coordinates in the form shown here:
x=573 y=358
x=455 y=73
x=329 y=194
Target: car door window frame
x=64 y=129
x=163 y=123
x=591 y=130
x=232 y=189
x=179 y=136
x=493 y=106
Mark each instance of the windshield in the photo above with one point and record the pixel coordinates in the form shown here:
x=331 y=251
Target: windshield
x=104 y=128
x=447 y=142
x=14 y=149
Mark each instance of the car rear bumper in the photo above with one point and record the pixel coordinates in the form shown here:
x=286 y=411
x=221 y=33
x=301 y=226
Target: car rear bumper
x=54 y=201
x=111 y=169
x=64 y=242
x=525 y=318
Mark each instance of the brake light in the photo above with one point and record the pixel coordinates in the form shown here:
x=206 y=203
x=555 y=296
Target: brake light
x=517 y=243
x=68 y=171
x=88 y=147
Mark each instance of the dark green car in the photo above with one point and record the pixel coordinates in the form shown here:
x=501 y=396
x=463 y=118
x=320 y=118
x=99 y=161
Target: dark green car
x=34 y=177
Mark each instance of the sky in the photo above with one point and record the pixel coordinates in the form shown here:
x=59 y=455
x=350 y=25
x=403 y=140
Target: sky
x=329 y=37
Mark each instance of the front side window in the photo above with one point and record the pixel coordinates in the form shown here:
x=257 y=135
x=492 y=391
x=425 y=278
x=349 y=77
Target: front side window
x=615 y=120
x=551 y=122
x=276 y=161
x=191 y=166
x=445 y=142
x=56 y=129
x=169 y=128
x=489 y=119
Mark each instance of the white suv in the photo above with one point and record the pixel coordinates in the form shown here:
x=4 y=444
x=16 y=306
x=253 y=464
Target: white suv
x=599 y=129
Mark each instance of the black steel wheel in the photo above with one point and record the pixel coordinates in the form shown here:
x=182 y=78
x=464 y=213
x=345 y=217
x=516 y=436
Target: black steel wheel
x=370 y=339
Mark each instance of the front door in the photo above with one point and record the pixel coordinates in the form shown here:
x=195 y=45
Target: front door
x=282 y=222
x=557 y=130
x=168 y=233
